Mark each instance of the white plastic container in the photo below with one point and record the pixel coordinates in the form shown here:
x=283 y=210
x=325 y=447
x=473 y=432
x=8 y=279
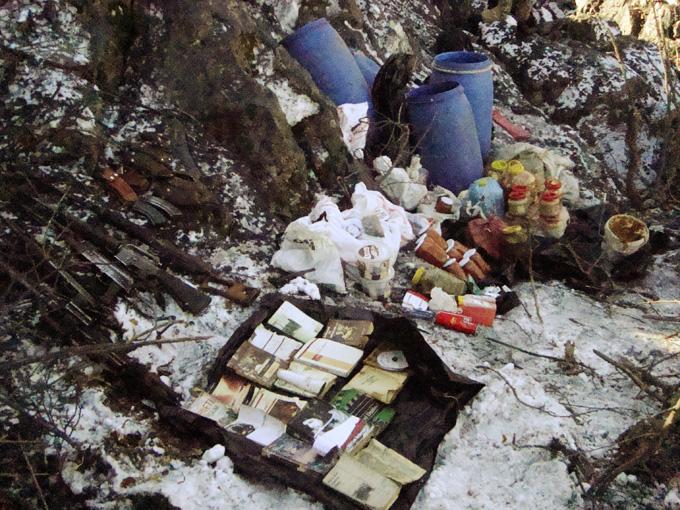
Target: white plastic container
x=378 y=289
x=624 y=235
x=373 y=261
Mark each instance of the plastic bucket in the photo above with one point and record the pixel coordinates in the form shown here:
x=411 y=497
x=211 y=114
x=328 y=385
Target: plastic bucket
x=321 y=50
x=373 y=261
x=378 y=289
x=445 y=135
x=368 y=67
x=473 y=71
x=624 y=235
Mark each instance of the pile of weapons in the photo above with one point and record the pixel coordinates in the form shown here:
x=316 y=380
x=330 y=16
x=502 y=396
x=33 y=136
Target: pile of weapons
x=137 y=260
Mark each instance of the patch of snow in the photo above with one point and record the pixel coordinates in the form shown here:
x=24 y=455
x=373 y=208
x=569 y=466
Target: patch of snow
x=213 y=454
x=295 y=106
x=301 y=286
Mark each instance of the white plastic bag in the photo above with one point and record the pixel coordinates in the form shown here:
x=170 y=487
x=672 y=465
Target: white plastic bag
x=303 y=248
x=399 y=186
x=354 y=126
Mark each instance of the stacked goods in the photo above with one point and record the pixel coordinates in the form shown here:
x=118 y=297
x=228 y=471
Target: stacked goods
x=335 y=403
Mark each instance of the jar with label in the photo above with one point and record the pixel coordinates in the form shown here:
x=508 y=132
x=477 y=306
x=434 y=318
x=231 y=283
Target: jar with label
x=514 y=234
x=518 y=201
x=550 y=204
x=481 y=309
x=427 y=278
x=552 y=184
x=515 y=239
x=518 y=175
x=444 y=205
x=498 y=169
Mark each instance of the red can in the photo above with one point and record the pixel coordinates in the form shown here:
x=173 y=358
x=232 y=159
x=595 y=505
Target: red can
x=457 y=322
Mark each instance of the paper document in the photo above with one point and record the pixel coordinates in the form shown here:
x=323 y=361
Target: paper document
x=294 y=322
x=377 y=383
x=362 y=484
x=389 y=463
x=334 y=357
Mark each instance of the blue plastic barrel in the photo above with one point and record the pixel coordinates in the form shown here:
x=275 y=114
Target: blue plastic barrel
x=368 y=67
x=473 y=71
x=321 y=50
x=443 y=129
x=488 y=194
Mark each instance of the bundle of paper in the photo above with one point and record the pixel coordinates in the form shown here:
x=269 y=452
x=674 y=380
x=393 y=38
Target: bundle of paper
x=352 y=401
x=212 y=408
x=302 y=456
x=375 y=415
x=349 y=332
x=304 y=380
x=280 y=346
x=326 y=427
x=330 y=356
x=292 y=321
x=317 y=416
x=255 y=364
x=257 y=426
x=389 y=463
x=232 y=390
x=278 y=406
x=377 y=383
x=362 y=484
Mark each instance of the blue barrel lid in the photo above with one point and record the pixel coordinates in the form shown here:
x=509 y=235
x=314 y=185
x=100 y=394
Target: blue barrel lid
x=435 y=92
x=462 y=62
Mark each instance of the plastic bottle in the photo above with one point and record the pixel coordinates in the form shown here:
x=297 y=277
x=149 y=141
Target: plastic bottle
x=489 y=195
x=517 y=175
x=518 y=201
x=432 y=252
x=552 y=184
x=481 y=309
x=425 y=279
x=456 y=321
x=550 y=204
x=498 y=169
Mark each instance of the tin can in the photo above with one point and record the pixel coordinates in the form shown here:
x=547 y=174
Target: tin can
x=457 y=322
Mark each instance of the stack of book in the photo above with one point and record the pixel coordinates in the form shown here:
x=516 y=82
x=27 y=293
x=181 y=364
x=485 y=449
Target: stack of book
x=332 y=409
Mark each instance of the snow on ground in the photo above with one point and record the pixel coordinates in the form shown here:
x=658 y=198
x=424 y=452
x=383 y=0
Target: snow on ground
x=494 y=457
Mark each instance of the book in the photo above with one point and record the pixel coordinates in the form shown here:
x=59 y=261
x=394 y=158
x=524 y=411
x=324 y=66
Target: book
x=304 y=380
x=257 y=426
x=281 y=407
x=389 y=463
x=362 y=484
x=330 y=356
x=300 y=455
x=292 y=321
x=380 y=384
x=232 y=390
x=349 y=332
x=209 y=407
x=275 y=344
x=255 y=364
x=373 y=412
x=344 y=435
x=316 y=416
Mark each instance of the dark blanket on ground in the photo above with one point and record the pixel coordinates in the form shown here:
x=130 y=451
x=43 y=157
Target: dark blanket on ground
x=426 y=408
